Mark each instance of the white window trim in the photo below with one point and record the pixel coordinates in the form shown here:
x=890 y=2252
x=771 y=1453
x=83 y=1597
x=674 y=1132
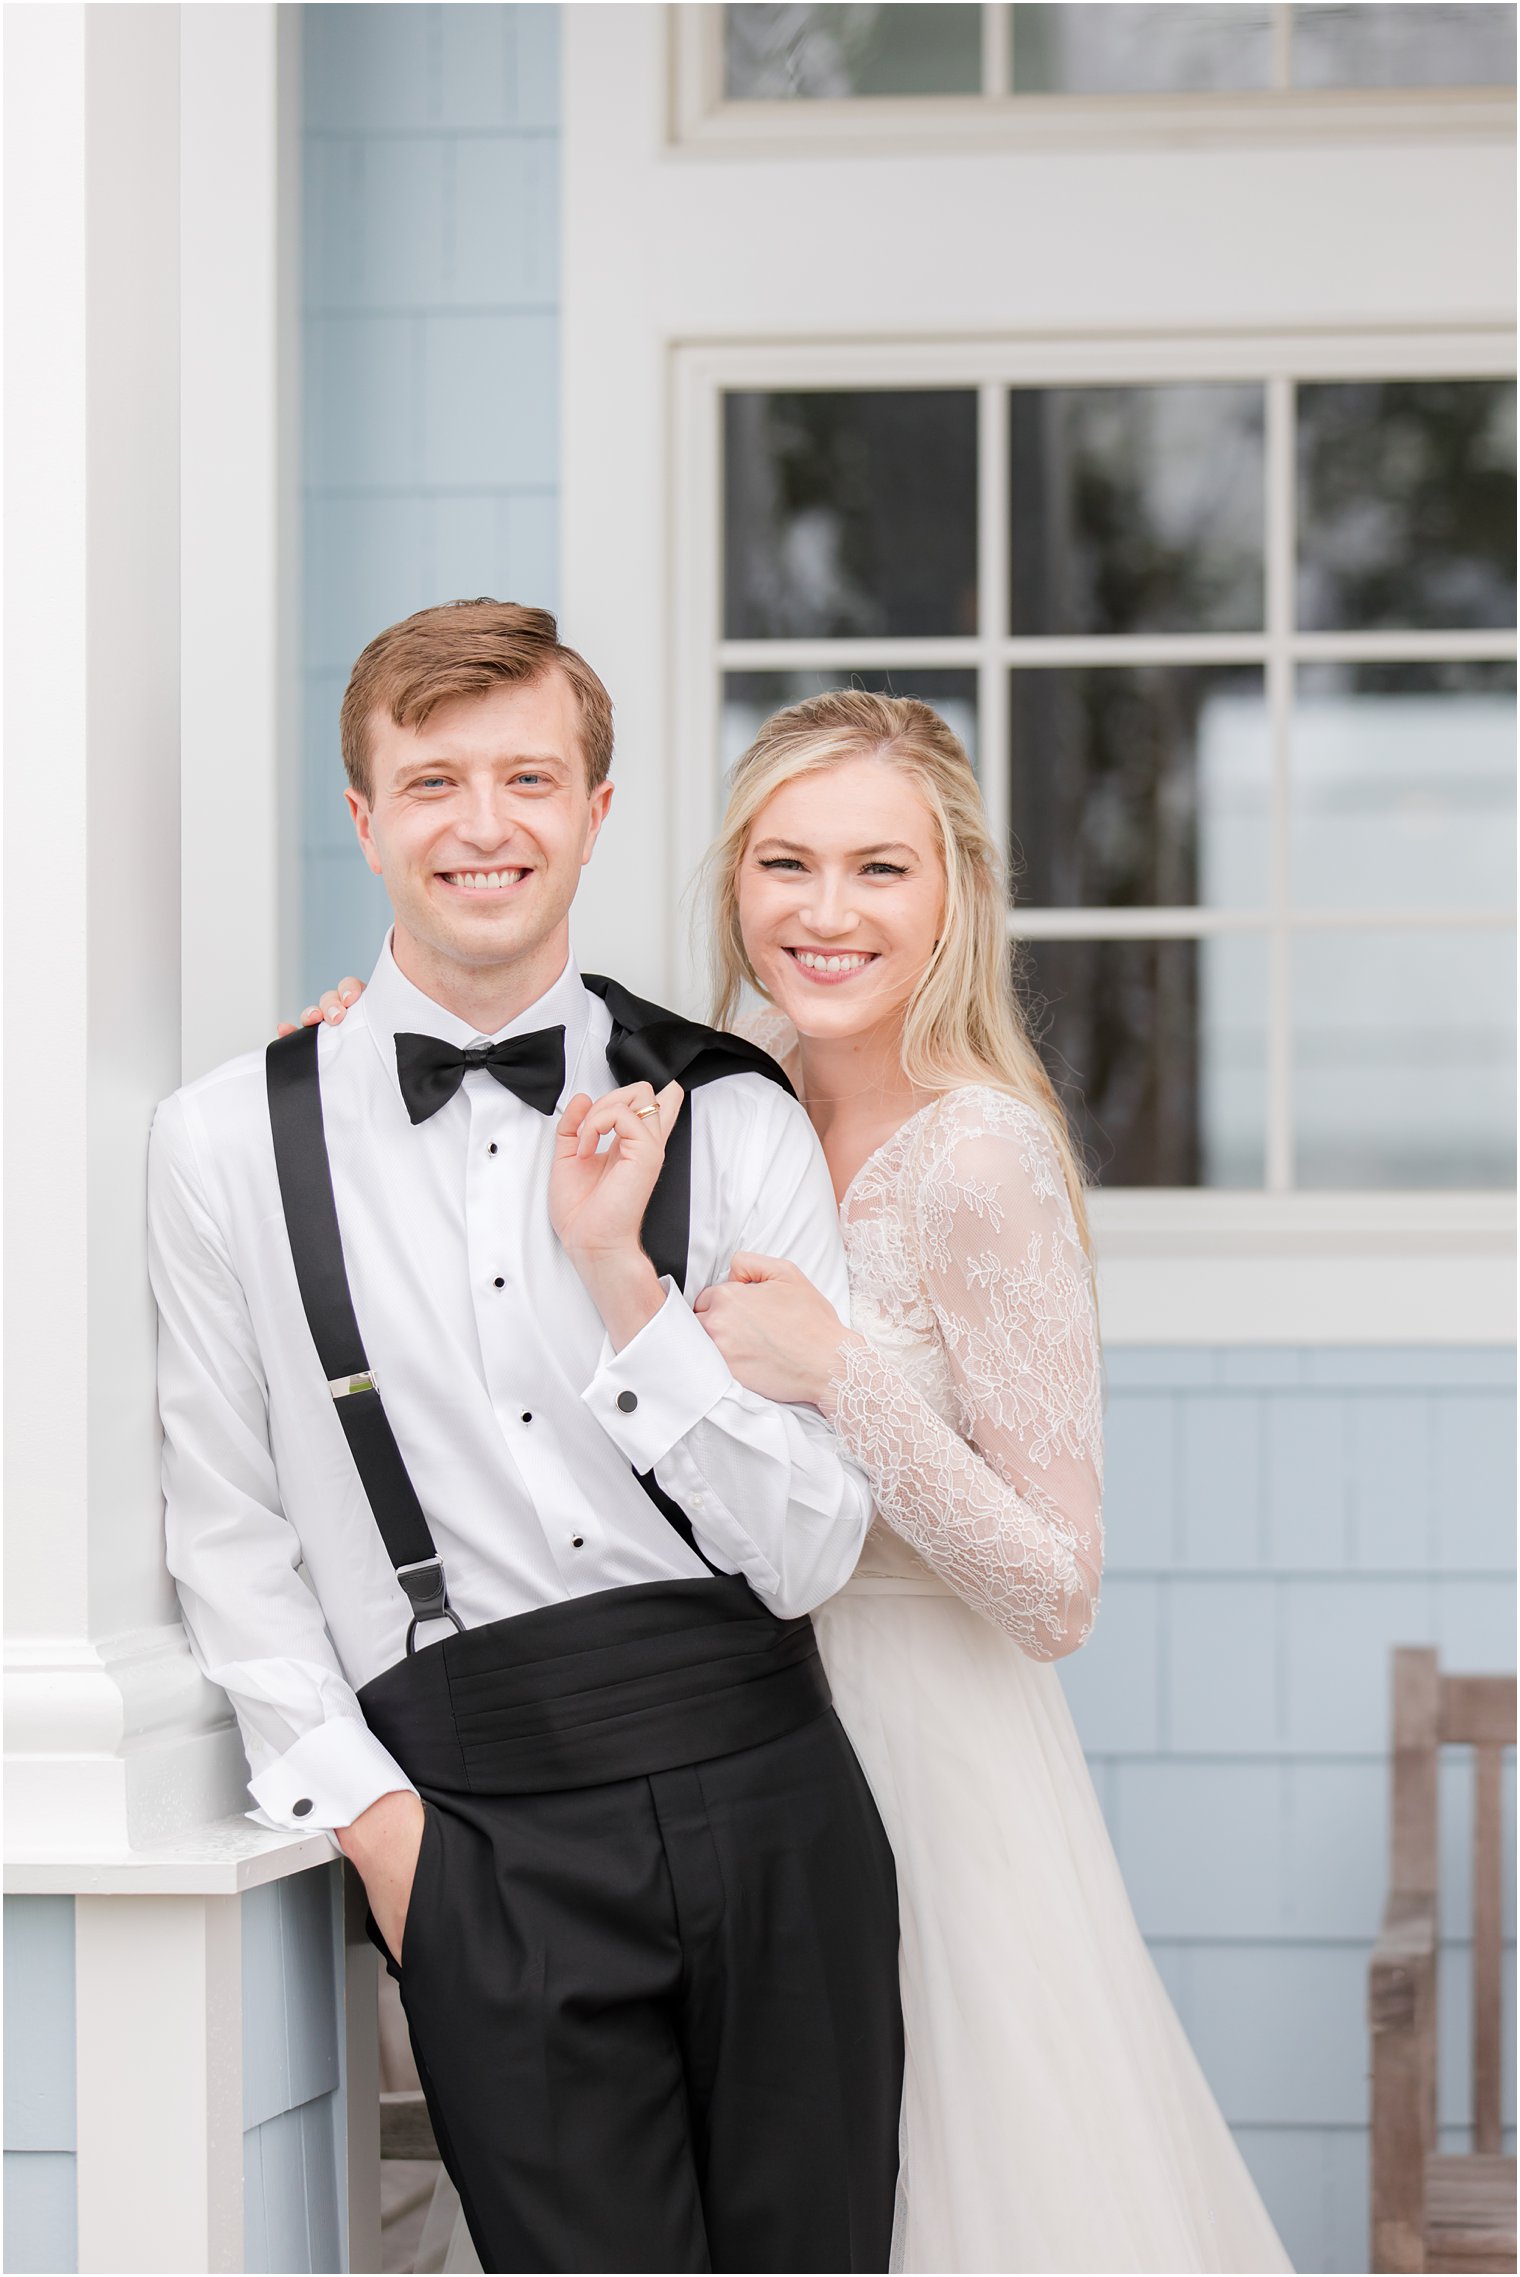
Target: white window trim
x=704 y=123
x=1337 y=1267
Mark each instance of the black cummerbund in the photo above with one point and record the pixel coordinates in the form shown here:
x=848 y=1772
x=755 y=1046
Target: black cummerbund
x=612 y=1686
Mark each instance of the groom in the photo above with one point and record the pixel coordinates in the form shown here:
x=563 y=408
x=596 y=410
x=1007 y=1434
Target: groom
x=505 y=1575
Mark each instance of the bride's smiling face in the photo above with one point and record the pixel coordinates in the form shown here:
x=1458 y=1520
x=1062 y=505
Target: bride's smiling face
x=841 y=892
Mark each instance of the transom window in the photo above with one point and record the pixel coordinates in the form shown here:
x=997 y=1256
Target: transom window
x=785 y=75
x=790 y=53
x=1234 y=658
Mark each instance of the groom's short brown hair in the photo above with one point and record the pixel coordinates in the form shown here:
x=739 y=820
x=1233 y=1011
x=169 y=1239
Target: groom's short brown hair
x=465 y=648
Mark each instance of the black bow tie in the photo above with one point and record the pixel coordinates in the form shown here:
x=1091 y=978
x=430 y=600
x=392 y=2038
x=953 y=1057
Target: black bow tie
x=531 y=1066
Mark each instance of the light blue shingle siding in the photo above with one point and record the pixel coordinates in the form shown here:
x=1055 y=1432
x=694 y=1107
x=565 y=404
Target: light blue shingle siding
x=1277 y=1522
x=431 y=360
x=41 y=2227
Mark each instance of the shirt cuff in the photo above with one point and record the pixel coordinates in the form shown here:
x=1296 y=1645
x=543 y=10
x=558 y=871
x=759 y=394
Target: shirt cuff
x=649 y=1395
x=328 y=1777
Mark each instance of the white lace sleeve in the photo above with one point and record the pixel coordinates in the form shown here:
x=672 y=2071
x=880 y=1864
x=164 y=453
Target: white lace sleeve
x=1008 y=1510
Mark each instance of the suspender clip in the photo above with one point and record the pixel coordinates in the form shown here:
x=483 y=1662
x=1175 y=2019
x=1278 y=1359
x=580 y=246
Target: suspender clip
x=343 y=1387
x=427 y=1587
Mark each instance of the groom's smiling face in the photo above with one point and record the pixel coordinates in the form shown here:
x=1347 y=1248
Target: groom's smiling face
x=479 y=822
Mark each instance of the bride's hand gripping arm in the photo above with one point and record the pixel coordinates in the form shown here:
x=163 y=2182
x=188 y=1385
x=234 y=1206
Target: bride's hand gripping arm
x=1008 y=1510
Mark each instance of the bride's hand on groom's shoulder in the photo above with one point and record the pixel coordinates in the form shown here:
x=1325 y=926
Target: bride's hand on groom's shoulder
x=329 y=1007
x=780 y=1336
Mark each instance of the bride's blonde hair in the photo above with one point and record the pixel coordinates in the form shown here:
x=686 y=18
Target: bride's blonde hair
x=964 y=1023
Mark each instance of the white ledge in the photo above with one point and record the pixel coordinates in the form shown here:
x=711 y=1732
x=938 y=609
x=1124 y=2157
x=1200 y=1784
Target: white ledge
x=1171 y=1222
x=219 y=1859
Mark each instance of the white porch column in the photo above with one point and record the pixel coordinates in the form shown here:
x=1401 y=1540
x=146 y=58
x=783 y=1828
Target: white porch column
x=150 y=597
x=111 y=1733
x=148 y=592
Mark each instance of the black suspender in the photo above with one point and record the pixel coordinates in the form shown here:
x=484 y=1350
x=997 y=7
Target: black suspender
x=316 y=1248
x=647 y=1045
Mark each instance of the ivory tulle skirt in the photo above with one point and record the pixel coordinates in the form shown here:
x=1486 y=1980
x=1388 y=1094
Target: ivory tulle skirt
x=1054 y=2117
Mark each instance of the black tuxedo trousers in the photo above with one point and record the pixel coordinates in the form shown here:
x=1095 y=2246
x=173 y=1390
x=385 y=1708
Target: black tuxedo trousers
x=656 y=2019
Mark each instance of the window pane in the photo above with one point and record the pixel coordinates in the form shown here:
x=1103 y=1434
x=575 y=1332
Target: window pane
x=780 y=53
x=1404 y=1058
x=1404 y=785
x=1123 y=50
x=1406 y=505
x=849 y=515
x=1137 y=509
x=1142 y=786
x=1159 y=1050
x=1371 y=46
x=749 y=698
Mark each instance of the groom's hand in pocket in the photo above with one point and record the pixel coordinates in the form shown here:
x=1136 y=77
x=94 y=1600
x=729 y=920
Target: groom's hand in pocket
x=383 y=1843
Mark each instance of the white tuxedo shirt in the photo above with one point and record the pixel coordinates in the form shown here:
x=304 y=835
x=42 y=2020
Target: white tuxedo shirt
x=498 y=1378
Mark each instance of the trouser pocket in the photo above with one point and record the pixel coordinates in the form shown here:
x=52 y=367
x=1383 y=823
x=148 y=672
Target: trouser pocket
x=422 y=1882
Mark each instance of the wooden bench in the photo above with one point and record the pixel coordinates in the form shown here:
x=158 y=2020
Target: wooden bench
x=1431 y=2211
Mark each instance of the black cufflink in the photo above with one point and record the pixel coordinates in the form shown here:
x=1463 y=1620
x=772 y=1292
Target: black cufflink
x=302 y=1807
x=628 y=1401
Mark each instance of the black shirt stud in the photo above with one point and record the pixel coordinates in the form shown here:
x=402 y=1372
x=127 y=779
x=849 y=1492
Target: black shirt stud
x=301 y=1808
x=627 y=1401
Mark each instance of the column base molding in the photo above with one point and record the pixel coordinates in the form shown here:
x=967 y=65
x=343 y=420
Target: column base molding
x=114 y=1743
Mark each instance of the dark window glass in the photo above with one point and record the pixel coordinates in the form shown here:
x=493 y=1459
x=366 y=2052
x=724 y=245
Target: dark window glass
x=1404 y=785
x=777 y=54
x=849 y=514
x=1366 y=45
x=1124 y=50
x=1140 y=786
x=1137 y=509
x=1406 y=505
x=1158 y=1049
x=1404 y=1058
x=749 y=698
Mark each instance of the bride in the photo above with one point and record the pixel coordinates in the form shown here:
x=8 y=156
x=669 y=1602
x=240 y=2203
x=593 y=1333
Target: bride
x=1054 y=2116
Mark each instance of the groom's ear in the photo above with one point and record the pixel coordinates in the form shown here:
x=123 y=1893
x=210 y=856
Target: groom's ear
x=599 y=801
x=359 y=808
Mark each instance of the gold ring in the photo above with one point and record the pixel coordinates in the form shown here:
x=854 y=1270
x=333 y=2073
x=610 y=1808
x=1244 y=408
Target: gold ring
x=646 y=1110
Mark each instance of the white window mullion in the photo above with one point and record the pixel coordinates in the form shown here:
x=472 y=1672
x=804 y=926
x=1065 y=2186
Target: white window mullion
x=1282 y=48
x=1195 y=923
x=847 y=655
x=1403 y=647
x=997 y=49
x=1280 y=617
x=993 y=757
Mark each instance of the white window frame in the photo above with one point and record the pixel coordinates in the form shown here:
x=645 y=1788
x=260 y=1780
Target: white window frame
x=704 y=120
x=1305 y=1231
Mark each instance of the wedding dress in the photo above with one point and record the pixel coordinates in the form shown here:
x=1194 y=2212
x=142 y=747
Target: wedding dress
x=1054 y=2116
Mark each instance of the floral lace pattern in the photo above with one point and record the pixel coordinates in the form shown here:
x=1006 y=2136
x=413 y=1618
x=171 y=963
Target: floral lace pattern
x=973 y=1400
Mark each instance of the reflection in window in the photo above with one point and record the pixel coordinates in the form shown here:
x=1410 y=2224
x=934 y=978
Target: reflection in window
x=1158 y=1049
x=1367 y=45
x=749 y=698
x=1404 y=786
x=849 y=514
x=1141 y=786
x=1137 y=509
x=1404 y=1059
x=1123 y=50
x=773 y=53
x=1406 y=505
